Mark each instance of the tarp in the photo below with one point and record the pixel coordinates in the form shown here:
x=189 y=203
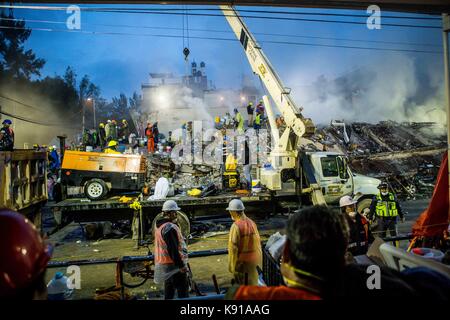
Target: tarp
x=434 y=220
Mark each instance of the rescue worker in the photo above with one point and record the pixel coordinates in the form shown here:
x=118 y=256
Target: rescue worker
x=260 y=108
x=360 y=234
x=58 y=289
x=112 y=147
x=386 y=209
x=312 y=259
x=124 y=131
x=23 y=258
x=244 y=246
x=101 y=135
x=171 y=254
x=250 y=111
x=54 y=161
x=113 y=130
x=155 y=133
x=150 y=138
x=108 y=131
x=257 y=123
x=239 y=121
x=6 y=136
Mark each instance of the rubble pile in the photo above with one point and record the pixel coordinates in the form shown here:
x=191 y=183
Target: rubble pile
x=406 y=155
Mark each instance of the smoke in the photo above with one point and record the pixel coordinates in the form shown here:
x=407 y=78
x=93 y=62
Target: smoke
x=171 y=106
x=397 y=88
x=39 y=110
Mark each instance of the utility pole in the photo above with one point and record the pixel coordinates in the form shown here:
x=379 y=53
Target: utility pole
x=82 y=121
x=93 y=106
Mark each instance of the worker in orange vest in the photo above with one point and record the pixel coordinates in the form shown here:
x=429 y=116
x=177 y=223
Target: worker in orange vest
x=171 y=254
x=312 y=259
x=244 y=246
x=150 y=138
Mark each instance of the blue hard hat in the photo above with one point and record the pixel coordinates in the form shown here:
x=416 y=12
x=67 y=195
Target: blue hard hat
x=7 y=121
x=59 y=275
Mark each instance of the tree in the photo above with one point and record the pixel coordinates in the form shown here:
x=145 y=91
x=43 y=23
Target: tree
x=15 y=61
x=70 y=77
x=135 y=101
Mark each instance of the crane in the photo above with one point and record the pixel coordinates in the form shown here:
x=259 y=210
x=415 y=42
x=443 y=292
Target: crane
x=283 y=156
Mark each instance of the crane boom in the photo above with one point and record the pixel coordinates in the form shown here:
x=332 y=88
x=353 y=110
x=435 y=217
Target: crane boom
x=260 y=64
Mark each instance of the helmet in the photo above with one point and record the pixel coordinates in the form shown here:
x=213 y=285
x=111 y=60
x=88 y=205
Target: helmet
x=7 y=121
x=170 y=205
x=236 y=205
x=23 y=253
x=101 y=125
x=383 y=185
x=124 y=121
x=251 y=103
x=112 y=143
x=108 y=121
x=346 y=201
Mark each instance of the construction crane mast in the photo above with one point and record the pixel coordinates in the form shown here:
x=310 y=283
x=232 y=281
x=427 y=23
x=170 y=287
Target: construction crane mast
x=283 y=156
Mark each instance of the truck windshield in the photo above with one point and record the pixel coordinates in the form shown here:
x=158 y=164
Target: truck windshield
x=329 y=167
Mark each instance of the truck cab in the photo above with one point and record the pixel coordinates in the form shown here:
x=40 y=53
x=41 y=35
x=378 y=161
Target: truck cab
x=336 y=179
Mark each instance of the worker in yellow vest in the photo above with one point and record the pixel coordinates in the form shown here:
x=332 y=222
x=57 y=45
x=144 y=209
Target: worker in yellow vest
x=171 y=254
x=244 y=246
x=386 y=209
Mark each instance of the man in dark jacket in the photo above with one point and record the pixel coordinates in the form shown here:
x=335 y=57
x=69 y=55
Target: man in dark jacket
x=6 y=136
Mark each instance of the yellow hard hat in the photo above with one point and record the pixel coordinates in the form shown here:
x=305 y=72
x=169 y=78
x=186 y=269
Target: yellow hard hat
x=112 y=143
x=101 y=125
x=251 y=103
x=124 y=121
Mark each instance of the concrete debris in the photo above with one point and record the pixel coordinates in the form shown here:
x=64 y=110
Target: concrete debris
x=406 y=155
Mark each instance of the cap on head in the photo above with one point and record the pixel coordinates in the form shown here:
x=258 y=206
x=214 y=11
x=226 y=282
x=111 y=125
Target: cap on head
x=7 y=121
x=346 y=201
x=170 y=205
x=236 y=205
x=383 y=185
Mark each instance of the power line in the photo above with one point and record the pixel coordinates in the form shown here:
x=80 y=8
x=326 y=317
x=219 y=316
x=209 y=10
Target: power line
x=218 y=9
x=46 y=124
x=128 y=10
x=227 y=31
x=227 y=39
x=21 y=103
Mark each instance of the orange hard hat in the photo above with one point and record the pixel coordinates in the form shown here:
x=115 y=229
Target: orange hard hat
x=23 y=253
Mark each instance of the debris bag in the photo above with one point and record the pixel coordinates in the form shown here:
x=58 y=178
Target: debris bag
x=161 y=189
x=434 y=220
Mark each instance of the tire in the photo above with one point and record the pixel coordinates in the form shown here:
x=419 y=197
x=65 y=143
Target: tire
x=95 y=189
x=363 y=205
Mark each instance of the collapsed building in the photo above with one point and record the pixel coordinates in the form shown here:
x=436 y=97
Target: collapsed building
x=406 y=155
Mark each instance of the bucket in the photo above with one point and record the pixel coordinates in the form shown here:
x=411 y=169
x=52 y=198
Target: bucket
x=428 y=253
x=256 y=186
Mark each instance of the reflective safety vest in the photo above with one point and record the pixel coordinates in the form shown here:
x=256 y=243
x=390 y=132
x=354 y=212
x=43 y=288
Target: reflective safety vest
x=258 y=119
x=249 y=241
x=161 y=253
x=386 y=208
x=273 y=293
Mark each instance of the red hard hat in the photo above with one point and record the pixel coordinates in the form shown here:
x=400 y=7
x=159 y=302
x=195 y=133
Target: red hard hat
x=23 y=253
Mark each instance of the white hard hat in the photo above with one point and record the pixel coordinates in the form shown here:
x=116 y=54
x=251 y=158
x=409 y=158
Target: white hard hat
x=236 y=205
x=346 y=201
x=170 y=205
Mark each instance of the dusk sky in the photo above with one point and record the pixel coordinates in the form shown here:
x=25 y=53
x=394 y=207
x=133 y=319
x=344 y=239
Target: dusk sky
x=121 y=63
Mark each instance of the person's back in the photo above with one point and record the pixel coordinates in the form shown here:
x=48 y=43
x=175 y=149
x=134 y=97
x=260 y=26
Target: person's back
x=269 y=293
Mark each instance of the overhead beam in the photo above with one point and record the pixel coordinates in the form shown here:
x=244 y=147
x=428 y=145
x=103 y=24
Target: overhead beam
x=417 y=6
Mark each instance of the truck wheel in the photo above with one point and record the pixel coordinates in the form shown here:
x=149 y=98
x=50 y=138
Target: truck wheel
x=95 y=189
x=363 y=205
